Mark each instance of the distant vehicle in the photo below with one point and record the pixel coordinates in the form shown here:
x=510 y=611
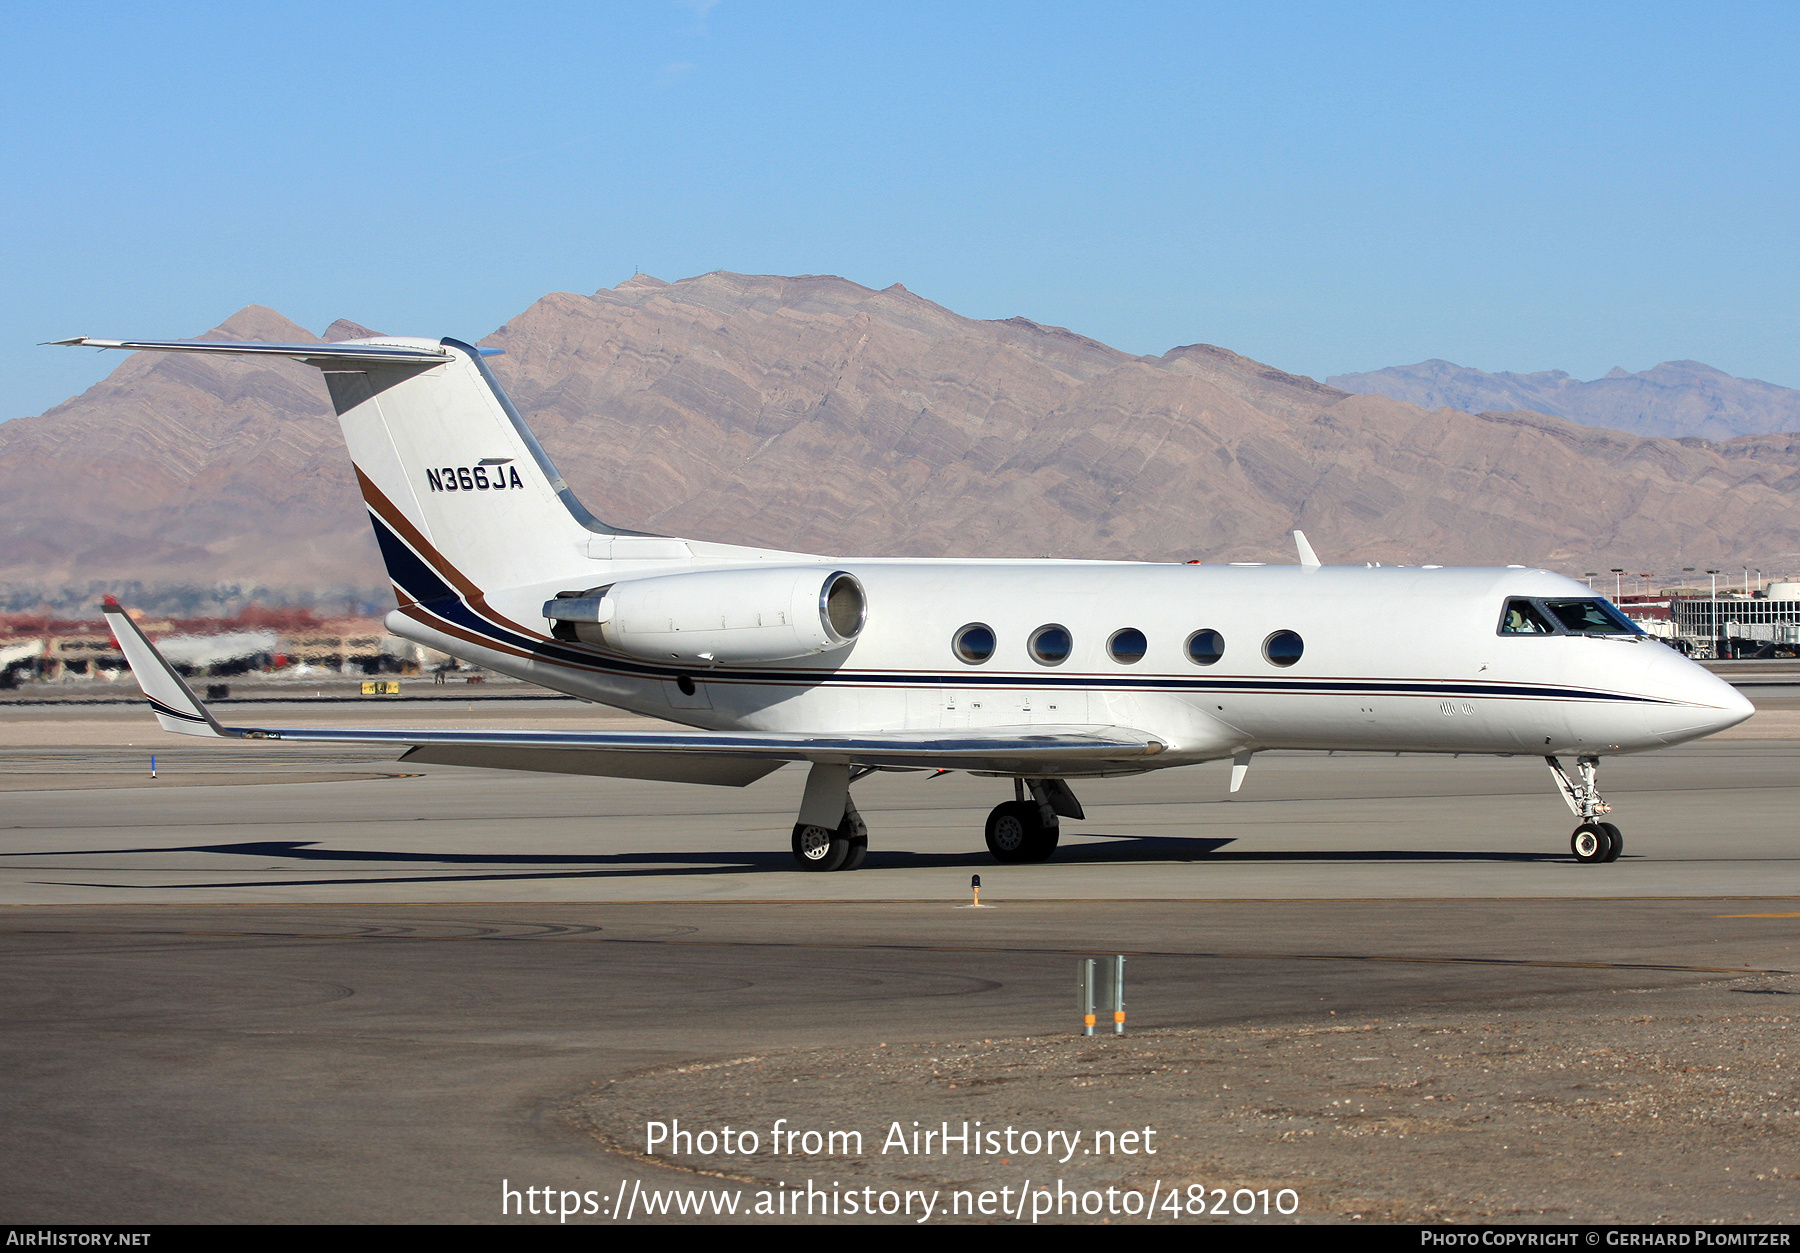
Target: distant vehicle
x=1037 y=672
x=1754 y=650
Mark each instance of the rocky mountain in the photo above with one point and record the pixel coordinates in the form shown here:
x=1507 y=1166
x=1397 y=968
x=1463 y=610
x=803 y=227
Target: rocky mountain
x=191 y=470
x=1676 y=399
x=812 y=413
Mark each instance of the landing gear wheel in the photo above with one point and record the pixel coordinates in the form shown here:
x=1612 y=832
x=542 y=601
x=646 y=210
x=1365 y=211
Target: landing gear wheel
x=1016 y=833
x=856 y=831
x=1592 y=842
x=1010 y=828
x=819 y=848
x=859 y=849
x=1618 y=841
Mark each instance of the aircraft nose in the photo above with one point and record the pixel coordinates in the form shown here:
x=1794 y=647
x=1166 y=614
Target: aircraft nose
x=1700 y=703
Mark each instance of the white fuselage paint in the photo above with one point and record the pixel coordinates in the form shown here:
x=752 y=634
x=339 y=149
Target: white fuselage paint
x=1396 y=658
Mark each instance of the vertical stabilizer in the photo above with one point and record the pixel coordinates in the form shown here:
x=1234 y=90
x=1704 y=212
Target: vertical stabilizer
x=454 y=479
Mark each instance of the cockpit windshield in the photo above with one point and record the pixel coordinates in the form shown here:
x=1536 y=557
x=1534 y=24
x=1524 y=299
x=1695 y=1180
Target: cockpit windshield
x=1591 y=617
x=1564 y=617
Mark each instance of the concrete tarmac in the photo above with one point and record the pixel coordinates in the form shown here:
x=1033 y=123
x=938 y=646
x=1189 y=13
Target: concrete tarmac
x=398 y=1063
x=275 y=823
x=291 y=984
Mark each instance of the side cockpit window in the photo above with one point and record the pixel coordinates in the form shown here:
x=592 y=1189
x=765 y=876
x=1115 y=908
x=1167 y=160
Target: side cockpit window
x=1522 y=617
x=1591 y=617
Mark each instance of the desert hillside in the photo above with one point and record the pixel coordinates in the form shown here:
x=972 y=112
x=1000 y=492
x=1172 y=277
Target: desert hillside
x=813 y=413
x=1676 y=399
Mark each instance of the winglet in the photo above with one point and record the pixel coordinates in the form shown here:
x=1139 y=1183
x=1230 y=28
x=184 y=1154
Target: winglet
x=1309 y=560
x=176 y=706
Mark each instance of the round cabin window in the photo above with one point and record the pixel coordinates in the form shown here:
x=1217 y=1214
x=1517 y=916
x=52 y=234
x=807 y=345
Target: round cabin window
x=1128 y=646
x=1283 y=648
x=1051 y=645
x=1204 y=648
x=974 y=643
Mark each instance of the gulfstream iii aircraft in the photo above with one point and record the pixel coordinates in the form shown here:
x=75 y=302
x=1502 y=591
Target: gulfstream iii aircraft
x=1040 y=672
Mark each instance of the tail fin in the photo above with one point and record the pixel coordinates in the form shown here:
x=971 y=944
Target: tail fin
x=462 y=496
x=453 y=476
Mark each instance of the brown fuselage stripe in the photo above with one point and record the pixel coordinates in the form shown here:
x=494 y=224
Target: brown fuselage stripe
x=384 y=508
x=388 y=512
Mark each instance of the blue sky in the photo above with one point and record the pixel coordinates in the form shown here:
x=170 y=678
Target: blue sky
x=1325 y=188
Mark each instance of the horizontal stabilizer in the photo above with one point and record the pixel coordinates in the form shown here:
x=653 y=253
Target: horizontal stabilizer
x=377 y=354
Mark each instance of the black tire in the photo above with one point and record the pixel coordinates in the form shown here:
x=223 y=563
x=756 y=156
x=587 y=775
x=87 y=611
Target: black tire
x=1016 y=833
x=1618 y=841
x=1591 y=842
x=819 y=848
x=856 y=831
x=1011 y=829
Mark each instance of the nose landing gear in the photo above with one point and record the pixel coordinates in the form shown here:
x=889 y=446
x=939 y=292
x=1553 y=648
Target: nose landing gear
x=1594 y=840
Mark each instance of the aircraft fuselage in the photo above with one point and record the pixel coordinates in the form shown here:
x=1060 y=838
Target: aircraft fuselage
x=1391 y=658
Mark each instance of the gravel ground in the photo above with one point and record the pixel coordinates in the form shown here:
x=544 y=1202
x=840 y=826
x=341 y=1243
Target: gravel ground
x=1656 y=1106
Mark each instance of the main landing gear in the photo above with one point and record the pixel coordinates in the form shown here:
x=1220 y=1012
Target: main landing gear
x=830 y=834
x=1027 y=828
x=839 y=848
x=1016 y=831
x=1024 y=829
x=1594 y=840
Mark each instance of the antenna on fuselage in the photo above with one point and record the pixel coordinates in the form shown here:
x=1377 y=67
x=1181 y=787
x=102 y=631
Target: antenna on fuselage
x=1309 y=560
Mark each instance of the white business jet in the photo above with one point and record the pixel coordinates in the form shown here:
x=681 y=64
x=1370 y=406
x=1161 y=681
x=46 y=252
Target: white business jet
x=1034 y=671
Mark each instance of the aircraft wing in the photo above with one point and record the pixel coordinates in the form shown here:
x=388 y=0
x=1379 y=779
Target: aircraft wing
x=732 y=758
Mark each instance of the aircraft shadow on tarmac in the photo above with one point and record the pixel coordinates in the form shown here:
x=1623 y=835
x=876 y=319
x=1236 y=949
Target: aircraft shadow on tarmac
x=1116 y=850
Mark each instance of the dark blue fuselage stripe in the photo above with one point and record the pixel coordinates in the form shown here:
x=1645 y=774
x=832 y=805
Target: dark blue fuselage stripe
x=410 y=572
x=406 y=568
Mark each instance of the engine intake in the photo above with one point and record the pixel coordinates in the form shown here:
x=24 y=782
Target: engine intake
x=717 y=617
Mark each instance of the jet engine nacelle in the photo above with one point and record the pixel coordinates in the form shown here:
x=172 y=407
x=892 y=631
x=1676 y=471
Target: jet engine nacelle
x=718 y=617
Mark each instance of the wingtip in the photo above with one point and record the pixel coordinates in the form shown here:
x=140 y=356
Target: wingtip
x=1308 y=558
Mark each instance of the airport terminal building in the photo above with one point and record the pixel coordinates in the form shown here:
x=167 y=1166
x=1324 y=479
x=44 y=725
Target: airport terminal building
x=1728 y=625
